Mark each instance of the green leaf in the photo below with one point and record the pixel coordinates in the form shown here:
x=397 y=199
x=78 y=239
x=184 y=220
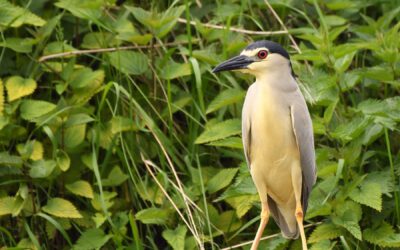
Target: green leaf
x=121 y=123
x=6 y=205
x=63 y=160
x=368 y=193
x=57 y=47
x=347 y=216
x=91 y=10
x=348 y=131
x=82 y=188
x=74 y=135
x=32 y=109
x=159 y=23
x=175 y=238
x=42 y=168
x=18 y=87
x=383 y=236
x=227 y=222
x=21 y=45
x=225 y=98
x=93 y=238
x=174 y=70
x=243 y=203
x=325 y=231
x=129 y=62
x=220 y=131
x=61 y=208
x=115 y=178
x=85 y=77
x=15 y=16
x=222 y=179
x=153 y=216
x=10 y=160
x=230 y=142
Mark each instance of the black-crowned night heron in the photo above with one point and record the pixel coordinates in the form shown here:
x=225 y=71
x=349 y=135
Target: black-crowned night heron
x=277 y=137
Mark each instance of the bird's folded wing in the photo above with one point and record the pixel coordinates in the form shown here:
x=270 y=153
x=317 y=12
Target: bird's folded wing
x=302 y=128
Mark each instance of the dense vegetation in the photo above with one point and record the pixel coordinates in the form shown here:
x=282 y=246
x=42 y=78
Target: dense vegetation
x=115 y=134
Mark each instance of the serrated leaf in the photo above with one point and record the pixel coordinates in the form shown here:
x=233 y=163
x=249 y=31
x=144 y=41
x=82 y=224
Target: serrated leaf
x=222 y=179
x=129 y=62
x=348 y=131
x=242 y=204
x=57 y=47
x=175 y=238
x=32 y=109
x=18 y=87
x=42 y=168
x=325 y=231
x=174 y=70
x=63 y=160
x=15 y=16
x=226 y=97
x=93 y=238
x=115 y=178
x=220 y=131
x=383 y=236
x=368 y=193
x=61 y=208
x=153 y=216
x=349 y=225
x=6 y=205
x=82 y=188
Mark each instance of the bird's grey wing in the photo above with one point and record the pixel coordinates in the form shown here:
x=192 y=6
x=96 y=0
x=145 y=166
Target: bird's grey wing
x=246 y=125
x=303 y=131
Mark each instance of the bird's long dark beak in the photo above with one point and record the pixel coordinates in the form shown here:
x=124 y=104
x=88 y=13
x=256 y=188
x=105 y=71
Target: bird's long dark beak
x=237 y=62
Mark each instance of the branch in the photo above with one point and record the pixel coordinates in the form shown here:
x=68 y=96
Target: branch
x=221 y=27
x=102 y=50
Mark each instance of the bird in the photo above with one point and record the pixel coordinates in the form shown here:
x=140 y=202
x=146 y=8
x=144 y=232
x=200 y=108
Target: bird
x=277 y=136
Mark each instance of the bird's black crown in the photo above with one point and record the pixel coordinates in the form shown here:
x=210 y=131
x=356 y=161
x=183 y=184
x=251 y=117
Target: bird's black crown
x=273 y=47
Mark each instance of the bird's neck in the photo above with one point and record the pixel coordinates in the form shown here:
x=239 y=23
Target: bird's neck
x=279 y=78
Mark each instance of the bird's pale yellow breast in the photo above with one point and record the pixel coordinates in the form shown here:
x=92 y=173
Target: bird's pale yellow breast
x=273 y=146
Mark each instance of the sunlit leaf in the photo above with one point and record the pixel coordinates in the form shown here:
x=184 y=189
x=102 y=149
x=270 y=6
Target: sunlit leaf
x=368 y=193
x=15 y=16
x=61 y=208
x=6 y=205
x=42 y=168
x=383 y=236
x=18 y=87
x=220 y=131
x=82 y=188
x=222 y=179
x=115 y=178
x=31 y=109
x=174 y=70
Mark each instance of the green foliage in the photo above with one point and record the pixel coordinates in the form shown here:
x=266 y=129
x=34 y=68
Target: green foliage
x=115 y=134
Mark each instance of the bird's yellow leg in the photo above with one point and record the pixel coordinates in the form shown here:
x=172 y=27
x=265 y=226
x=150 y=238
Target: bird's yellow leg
x=263 y=223
x=297 y=186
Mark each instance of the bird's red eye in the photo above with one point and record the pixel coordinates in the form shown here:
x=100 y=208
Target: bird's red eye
x=262 y=54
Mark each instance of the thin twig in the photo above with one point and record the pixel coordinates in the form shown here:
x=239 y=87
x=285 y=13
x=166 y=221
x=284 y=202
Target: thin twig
x=283 y=26
x=102 y=50
x=147 y=163
x=297 y=48
x=221 y=27
x=265 y=238
x=185 y=198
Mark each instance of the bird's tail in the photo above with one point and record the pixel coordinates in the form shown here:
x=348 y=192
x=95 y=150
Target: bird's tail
x=288 y=226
